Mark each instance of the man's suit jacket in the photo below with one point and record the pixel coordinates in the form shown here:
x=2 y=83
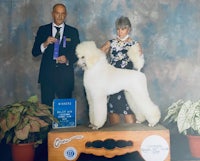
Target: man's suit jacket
x=48 y=66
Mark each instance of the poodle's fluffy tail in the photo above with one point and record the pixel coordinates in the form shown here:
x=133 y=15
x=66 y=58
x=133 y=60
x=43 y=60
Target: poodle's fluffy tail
x=136 y=57
x=143 y=107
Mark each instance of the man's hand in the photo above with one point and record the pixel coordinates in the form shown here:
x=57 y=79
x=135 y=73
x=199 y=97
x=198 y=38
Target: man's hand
x=50 y=40
x=62 y=59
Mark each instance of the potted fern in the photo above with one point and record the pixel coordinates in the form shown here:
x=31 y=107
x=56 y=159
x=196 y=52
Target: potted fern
x=186 y=115
x=25 y=122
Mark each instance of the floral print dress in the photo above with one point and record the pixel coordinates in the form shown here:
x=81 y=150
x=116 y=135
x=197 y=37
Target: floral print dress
x=118 y=58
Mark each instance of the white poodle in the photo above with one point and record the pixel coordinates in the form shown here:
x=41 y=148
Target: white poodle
x=102 y=79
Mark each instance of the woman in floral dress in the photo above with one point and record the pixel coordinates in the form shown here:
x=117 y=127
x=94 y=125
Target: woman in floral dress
x=117 y=49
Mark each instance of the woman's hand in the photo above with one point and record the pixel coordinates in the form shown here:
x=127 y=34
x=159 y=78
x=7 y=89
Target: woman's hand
x=140 y=49
x=105 y=47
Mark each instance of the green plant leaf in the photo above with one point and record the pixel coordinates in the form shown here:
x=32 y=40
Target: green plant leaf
x=35 y=126
x=33 y=99
x=185 y=115
x=25 y=121
x=22 y=134
x=2 y=134
x=40 y=122
x=9 y=136
x=3 y=125
x=173 y=111
x=12 y=119
x=196 y=118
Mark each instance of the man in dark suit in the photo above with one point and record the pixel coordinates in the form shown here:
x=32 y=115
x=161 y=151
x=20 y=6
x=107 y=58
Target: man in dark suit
x=56 y=42
x=56 y=76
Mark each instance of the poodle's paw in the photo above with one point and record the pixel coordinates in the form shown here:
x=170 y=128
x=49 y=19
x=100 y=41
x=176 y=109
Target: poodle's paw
x=151 y=124
x=138 y=122
x=94 y=127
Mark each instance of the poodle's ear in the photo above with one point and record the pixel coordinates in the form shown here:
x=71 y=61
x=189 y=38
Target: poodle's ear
x=85 y=46
x=135 y=57
x=91 y=53
x=92 y=44
x=93 y=57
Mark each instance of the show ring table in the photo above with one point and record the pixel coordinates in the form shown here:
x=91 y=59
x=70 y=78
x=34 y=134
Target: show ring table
x=153 y=143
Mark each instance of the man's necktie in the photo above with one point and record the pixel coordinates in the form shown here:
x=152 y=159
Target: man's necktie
x=57 y=33
x=56 y=44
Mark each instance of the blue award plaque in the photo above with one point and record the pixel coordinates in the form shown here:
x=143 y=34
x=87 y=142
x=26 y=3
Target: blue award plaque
x=65 y=112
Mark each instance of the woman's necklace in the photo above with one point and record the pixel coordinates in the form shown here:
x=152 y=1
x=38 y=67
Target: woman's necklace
x=123 y=39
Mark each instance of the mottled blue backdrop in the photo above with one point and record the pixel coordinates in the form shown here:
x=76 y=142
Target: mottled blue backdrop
x=168 y=31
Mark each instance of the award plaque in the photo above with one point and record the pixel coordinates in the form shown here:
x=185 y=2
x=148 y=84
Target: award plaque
x=64 y=110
